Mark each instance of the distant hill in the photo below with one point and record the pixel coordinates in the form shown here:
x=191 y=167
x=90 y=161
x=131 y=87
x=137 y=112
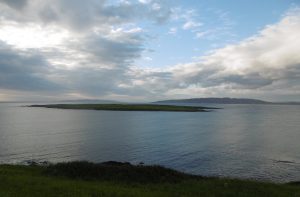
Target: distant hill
x=225 y=100
x=217 y=101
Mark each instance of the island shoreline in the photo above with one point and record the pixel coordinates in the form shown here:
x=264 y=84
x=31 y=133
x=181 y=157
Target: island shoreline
x=128 y=107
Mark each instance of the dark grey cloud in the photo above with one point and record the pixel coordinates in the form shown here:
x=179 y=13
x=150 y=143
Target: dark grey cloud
x=249 y=81
x=116 y=52
x=77 y=14
x=81 y=15
x=213 y=77
x=16 y=4
x=25 y=71
x=94 y=82
x=107 y=55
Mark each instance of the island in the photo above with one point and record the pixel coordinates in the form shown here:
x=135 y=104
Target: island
x=128 y=107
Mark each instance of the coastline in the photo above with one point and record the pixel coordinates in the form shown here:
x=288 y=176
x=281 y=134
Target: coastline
x=127 y=107
x=124 y=179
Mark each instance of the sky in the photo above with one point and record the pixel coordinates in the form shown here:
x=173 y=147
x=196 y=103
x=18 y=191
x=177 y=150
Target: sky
x=148 y=50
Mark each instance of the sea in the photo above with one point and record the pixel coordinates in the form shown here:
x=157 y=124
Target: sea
x=259 y=142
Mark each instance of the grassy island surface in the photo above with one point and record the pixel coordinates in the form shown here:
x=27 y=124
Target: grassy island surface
x=83 y=179
x=126 y=107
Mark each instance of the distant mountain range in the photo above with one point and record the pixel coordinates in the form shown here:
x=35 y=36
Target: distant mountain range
x=225 y=100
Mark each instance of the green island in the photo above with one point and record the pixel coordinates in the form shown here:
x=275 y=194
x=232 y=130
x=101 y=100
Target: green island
x=113 y=179
x=127 y=107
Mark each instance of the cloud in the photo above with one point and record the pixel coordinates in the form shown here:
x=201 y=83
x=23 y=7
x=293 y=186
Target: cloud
x=172 y=30
x=145 y=1
x=90 y=49
x=16 y=4
x=201 y=34
x=82 y=16
x=24 y=70
x=48 y=52
x=258 y=65
x=119 y=48
x=219 y=26
x=187 y=17
x=191 y=25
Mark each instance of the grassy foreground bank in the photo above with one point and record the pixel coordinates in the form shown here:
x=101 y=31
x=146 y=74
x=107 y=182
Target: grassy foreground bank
x=124 y=179
x=126 y=107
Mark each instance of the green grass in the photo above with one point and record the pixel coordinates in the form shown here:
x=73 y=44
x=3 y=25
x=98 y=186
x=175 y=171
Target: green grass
x=126 y=107
x=85 y=179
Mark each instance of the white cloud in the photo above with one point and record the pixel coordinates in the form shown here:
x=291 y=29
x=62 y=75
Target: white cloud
x=265 y=64
x=145 y=1
x=191 y=25
x=202 y=34
x=219 y=27
x=172 y=30
x=156 y=6
x=148 y=58
x=32 y=35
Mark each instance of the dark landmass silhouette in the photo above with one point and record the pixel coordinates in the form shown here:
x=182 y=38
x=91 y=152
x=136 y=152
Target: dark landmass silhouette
x=225 y=100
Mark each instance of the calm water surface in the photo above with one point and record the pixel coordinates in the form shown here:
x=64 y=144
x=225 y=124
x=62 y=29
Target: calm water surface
x=245 y=141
